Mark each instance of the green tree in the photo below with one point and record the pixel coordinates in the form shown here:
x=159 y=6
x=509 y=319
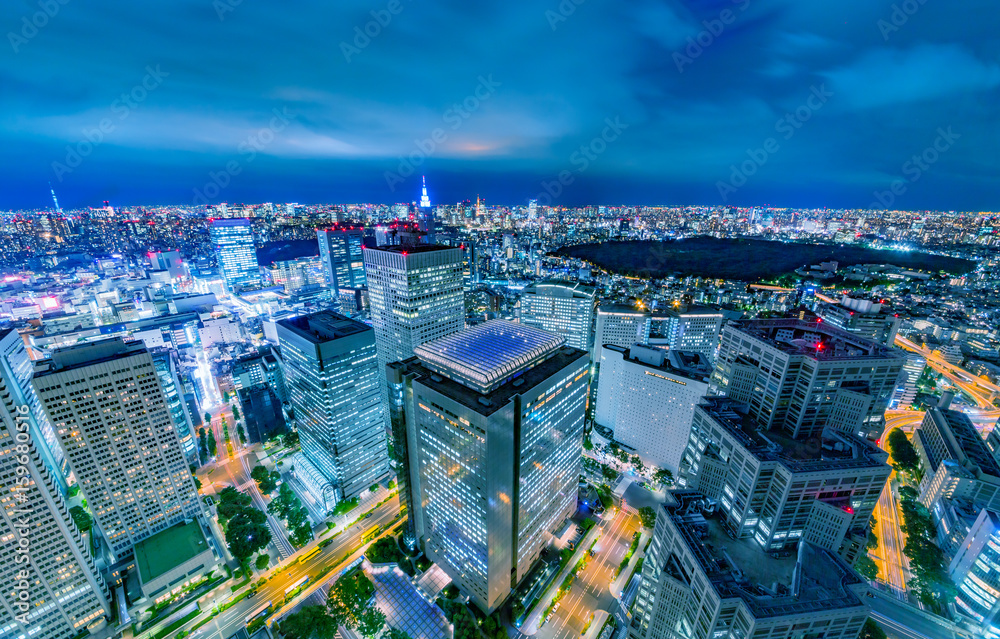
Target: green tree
x=266 y=480
x=348 y=600
x=866 y=567
x=904 y=456
x=301 y=535
x=663 y=476
x=263 y=561
x=622 y=455
x=311 y=622
x=371 y=622
x=236 y=413
x=81 y=518
x=871 y=630
x=197 y=483
x=373 y=487
x=291 y=438
x=213 y=447
x=395 y=633
x=208 y=418
x=648 y=516
x=587 y=444
x=247 y=533
x=637 y=463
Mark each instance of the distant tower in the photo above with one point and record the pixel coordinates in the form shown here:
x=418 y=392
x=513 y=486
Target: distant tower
x=426 y=214
x=54 y=200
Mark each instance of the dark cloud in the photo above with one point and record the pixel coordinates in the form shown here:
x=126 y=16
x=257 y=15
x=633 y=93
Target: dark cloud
x=697 y=84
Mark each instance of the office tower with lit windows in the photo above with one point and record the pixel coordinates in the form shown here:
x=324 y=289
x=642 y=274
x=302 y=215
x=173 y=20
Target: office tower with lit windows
x=416 y=295
x=42 y=548
x=694 y=328
x=906 y=387
x=235 y=253
x=803 y=376
x=698 y=582
x=340 y=253
x=647 y=397
x=776 y=489
x=973 y=570
x=862 y=317
x=619 y=325
x=107 y=406
x=493 y=419
x=173 y=391
x=564 y=308
x=333 y=385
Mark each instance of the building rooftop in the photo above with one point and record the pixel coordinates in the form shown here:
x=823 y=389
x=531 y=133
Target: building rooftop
x=562 y=288
x=835 y=448
x=88 y=353
x=411 y=249
x=169 y=548
x=484 y=356
x=814 y=339
x=324 y=326
x=687 y=364
x=770 y=584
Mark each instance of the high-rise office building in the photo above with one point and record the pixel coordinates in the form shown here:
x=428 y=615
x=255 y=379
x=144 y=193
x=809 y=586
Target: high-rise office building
x=109 y=411
x=51 y=587
x=235 y=253
x=804 y=376
x=333 y=385
x=695 y=328
x=173 y=391
x=619 y=325
x=906 y=387
x=561 y=307
x=863 y=317
x=494 y=433
x=416 y=295
x=973 y=569
x=777 y=489
x=699 y=583
x=340 y=252
x=647 y=397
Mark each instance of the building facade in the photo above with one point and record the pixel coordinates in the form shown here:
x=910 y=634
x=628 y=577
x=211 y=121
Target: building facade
x=235 y=253
x=493 y=419
x=109 y=411
x=864 y=318
x=333 y=386
x=647 y=397
x=693 y=329
x=51 y=587
x=563 y=308
x=973 y=569
x=340 y=253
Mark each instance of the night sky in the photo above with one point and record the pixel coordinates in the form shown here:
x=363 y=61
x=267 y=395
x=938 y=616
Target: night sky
x=632 y=102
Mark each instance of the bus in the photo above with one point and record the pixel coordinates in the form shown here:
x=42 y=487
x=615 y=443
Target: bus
x=312 y=553
x=370 y=534
x=298 y=584
x=259 y=613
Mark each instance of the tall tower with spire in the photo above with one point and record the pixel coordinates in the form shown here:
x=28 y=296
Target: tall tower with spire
x=426 y=214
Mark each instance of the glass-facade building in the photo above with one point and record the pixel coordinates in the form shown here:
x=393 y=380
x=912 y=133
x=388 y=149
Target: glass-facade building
x=235 y=254
x=975 y=570
x=565 y=308
x=341 y=259
x=333 y=386
x=64 y=594
x=173 y=391
x=493 y=418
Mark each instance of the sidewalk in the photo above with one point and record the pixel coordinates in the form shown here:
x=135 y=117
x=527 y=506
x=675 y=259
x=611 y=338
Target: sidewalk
x=619 y=583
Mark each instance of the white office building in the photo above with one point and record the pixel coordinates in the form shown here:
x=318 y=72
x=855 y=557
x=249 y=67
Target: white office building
x=647 y=397
x=564 y=308
x=51 y=587
x=108 y=409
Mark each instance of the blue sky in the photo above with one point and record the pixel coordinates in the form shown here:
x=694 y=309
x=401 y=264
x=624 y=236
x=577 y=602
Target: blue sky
x=242 y=100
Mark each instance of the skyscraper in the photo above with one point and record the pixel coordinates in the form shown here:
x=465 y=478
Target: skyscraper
x=51 y=587
x=619 y=325
x=333 y=385
x=561 y=307
x=235 y=254
x=340 y=252
x=647 y=397
x=863 y=317
x=106 y=404
x=803 y=376
x=494 y=434
x=699 y=582
x=166 y=367
x=695 y=328
x=416 y=295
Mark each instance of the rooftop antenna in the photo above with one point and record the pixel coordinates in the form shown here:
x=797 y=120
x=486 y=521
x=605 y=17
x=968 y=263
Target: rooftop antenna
x=54 y=200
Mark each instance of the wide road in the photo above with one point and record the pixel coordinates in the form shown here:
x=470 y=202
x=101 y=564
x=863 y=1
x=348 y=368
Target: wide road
x=590 y=592
x=342 y=548
x=981 y=391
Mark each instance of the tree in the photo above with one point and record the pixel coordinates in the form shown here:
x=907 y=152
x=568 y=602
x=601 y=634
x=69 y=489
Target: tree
x=231 y=503
x=871 y=630
x=648 y=516
x=374 y=487
x=208 y=418
x=291 y=438
x=371 y=622
x=663 y=476
x=81 y=518
x=301 y=535
x=265 y=479
x=311 y=622
x=213 y=447
x=866 y=567
x=395 y=633
x=263 y=561
x=903 y=454
x=637 y=462
x=622 y=455
x=247 y=533
x=197 y=483
x=348 y=603
x=236 y=413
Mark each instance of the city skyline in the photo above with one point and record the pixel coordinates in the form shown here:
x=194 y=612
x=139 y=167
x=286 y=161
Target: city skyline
x=812 y=106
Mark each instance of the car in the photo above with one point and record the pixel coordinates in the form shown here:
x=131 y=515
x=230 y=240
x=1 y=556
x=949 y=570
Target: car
x=368 y=515
x=580 y=530
x=251 y=594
